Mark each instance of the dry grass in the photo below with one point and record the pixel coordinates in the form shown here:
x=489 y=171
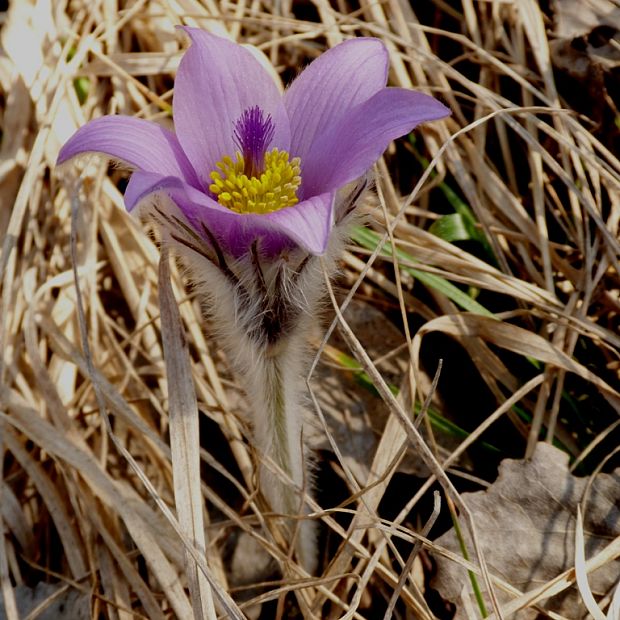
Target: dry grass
x=85 y=462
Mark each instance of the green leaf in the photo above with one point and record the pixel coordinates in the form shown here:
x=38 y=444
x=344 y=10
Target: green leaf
x=82 y=86
x=451 y=228
x=468 y=218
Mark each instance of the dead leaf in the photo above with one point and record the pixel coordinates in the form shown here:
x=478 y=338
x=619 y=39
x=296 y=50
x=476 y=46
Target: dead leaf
x=574 y=18
x=587 y=49
x=53 y=602
x=526 y=525
x=596 y=52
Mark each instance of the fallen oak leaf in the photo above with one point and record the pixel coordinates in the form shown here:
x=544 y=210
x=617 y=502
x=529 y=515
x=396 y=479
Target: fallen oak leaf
x=574 y=18
x=528 y=535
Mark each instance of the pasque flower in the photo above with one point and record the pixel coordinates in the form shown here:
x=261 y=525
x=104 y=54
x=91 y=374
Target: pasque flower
x=252 y=186
x=248 y=163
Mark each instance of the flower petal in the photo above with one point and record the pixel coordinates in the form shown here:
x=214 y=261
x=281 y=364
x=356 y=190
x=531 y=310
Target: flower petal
x=346 y=151
x=139 y=143
x=307 y=224
x=332 y=85
x=199 y=210
x=216 y=82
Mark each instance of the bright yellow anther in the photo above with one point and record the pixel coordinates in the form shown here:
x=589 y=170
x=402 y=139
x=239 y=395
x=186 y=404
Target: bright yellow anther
x=275 y=188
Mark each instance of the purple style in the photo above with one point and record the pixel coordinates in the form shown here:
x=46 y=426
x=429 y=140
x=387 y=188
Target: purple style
x=338 y=116
x=253 y=134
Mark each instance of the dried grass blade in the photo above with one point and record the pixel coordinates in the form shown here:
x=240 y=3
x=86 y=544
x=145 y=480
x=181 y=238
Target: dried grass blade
x=532 y=20
x=12 y=512
x=581 y=574
x=115 y=590
x=6 y=588
x=139 y=587
x=414 y=437
x=184 y=439
x=114 y=494
x=64 y=348
x=54 y=503
x=613 y=613
x=561 y=582
x=515 y=339
x=144 y=539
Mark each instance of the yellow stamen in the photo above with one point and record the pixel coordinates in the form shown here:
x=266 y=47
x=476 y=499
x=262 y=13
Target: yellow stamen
x=275 y=188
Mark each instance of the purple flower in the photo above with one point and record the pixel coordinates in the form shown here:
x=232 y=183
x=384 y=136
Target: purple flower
x=247 y=163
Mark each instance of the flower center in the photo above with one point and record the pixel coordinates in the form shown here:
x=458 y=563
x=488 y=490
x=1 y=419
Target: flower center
x=257 y=180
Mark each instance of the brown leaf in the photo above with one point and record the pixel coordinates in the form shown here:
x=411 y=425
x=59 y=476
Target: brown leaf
x=588 y=33
x=574 y=18
x=526 y=525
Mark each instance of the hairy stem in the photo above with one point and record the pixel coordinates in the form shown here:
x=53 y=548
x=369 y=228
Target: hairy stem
x=274 y=388
x=262 y=312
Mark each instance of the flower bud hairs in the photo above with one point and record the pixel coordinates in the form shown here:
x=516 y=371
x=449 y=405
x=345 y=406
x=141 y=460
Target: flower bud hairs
x=252 y=188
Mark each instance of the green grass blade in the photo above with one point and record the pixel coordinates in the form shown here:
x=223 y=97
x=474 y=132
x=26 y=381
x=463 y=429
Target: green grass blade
x=369 y=239
x=437 y=420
